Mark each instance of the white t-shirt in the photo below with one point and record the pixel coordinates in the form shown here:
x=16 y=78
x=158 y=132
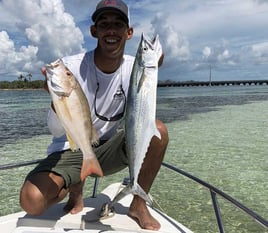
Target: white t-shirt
x=110 y=97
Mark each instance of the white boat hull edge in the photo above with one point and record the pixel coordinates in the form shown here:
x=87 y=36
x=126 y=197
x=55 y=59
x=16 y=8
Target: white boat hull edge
x=87 y=221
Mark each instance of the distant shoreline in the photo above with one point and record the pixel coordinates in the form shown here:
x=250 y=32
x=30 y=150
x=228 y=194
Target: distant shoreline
x=21 y=89
x=22 y=85
x=39 y=84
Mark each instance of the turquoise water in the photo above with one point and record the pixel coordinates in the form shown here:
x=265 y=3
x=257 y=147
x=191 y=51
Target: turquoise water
x=218 y=134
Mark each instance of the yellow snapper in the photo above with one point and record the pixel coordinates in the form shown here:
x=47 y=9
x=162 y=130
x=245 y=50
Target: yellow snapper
x=73 y=111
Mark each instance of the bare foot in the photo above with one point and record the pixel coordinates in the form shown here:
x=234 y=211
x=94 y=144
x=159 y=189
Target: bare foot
x=75 y=203
x=139 y=212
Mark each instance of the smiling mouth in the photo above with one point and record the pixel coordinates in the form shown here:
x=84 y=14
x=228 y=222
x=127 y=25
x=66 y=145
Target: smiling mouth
x=111 y=41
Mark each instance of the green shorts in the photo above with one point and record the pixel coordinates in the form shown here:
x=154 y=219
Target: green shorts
x=111 y=155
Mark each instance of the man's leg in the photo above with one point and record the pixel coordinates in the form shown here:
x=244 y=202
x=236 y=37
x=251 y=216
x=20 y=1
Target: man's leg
x=150 y=167
x=51 y=180
x=40 y=191
x=75 y=204
x=44 y=189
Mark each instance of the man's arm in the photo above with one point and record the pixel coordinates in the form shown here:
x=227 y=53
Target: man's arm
x=161 y=59
x=44 y=72
x=53 y=122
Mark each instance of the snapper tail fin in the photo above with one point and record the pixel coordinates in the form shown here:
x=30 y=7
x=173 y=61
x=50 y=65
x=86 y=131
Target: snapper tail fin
x=90 y=166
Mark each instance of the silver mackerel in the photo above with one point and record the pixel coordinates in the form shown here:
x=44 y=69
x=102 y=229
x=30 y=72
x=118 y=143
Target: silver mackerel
x=140 y=122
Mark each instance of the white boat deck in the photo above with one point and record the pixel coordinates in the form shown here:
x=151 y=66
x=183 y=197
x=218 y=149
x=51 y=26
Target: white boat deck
x=55 y=220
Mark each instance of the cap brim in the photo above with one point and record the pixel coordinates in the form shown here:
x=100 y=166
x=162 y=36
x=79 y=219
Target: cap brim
x=101 y=11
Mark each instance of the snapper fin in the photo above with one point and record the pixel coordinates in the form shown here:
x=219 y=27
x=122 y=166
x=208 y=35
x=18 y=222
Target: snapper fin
x=72 y=144
x=94 y=137
x=89 y=167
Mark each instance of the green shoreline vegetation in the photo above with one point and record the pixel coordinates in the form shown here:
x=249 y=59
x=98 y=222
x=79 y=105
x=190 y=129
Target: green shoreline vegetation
x=38 y=84
x=19 y=84
x=23 y=82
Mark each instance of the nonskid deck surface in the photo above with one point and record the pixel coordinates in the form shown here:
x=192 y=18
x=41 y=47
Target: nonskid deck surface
x=55 y=220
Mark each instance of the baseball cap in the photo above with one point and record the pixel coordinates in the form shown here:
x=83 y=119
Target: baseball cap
x=114 y=5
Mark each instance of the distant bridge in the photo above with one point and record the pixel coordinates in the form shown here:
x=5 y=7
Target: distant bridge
x=214 y=83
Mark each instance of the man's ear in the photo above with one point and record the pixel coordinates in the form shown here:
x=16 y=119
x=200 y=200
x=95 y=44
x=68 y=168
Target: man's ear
x=93 y=31
x=130 y=32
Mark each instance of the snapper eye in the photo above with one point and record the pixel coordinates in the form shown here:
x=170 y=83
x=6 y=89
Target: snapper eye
x=68 y=73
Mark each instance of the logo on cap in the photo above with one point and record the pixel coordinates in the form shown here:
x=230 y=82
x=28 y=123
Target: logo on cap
x=117 y=5
x=110 y=2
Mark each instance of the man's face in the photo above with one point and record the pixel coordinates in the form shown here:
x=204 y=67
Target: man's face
x=112 y=32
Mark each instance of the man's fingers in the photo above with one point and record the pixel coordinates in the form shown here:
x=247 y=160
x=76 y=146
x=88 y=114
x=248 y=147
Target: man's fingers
x=44 y=72
x=161 y=59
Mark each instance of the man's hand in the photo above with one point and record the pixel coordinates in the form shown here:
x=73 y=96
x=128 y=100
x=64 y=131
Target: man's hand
x=161 y=59
x=44 y=72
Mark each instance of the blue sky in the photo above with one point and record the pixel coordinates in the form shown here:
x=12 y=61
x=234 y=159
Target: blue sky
x=229 y=35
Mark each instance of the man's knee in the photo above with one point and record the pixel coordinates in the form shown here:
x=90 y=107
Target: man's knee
x=40 y=191
x=31 y=199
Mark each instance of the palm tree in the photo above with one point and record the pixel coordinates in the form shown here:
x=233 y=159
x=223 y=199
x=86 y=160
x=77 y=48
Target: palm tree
x=29 y=75
x=21 y=77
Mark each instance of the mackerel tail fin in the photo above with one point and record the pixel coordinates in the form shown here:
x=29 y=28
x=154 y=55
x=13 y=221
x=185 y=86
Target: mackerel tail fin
x=138 y=190
x=124 y=192
x=135 y=189
x=90 y=166
x=108 y=208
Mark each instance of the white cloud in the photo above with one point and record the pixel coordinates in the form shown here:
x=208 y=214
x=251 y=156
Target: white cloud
x=224 y=28
x=12 y=61
x=218 y=55
x=259 y=53
x=206 y=52
x=230 y=34
x=6 y=43
x=48 y=31
x=175 y=44
x=261 y=1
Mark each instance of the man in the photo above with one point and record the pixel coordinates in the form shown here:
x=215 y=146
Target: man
x=104 y=75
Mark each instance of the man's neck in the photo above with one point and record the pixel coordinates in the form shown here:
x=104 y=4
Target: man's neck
x=107 y=64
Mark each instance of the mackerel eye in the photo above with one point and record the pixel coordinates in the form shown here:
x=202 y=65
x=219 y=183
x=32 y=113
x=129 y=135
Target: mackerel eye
x=145 y=49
